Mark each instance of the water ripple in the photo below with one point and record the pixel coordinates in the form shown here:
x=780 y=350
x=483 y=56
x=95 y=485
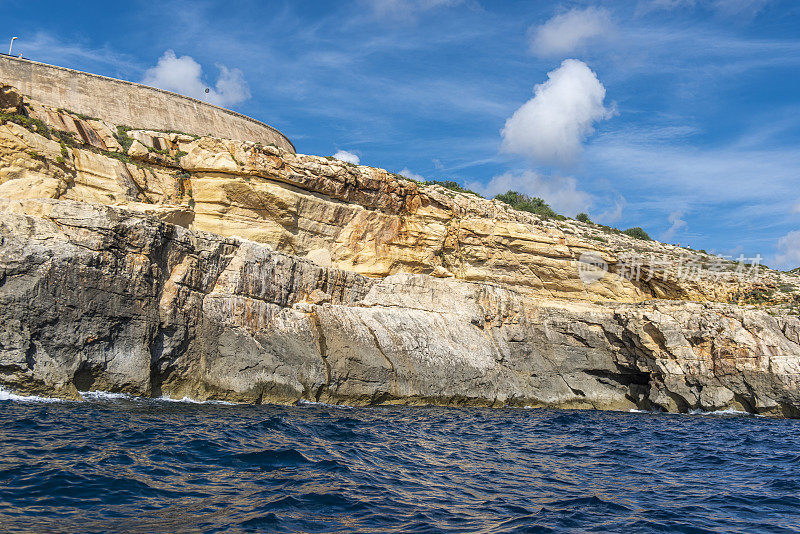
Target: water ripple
x=116 y=463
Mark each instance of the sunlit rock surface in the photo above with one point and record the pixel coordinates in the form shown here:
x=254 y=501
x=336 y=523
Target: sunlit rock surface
x=166 y=264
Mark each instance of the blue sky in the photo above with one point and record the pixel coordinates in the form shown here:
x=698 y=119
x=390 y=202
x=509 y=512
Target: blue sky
x=680 y=116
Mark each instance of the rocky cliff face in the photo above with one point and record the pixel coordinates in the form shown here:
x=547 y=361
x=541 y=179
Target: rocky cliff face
x=164 y=264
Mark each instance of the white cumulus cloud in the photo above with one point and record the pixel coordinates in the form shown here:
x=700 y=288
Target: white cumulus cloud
x=551 y=127
x=788 y=255
x=184 y=75
x=561 y=192
x=347 y=157
x=410 y=175
x=570 y=31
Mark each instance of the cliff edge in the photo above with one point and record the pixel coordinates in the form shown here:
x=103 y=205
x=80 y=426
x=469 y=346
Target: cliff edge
x=162 y=263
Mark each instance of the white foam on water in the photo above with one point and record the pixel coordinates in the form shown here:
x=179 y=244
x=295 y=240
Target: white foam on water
x=189 y=400
x=108 y=396
x=7 y=395
x=727 y=411
x=313 y=403
x=105 y=395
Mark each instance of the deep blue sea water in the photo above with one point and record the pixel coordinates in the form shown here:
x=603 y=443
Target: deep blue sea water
x=132 y=465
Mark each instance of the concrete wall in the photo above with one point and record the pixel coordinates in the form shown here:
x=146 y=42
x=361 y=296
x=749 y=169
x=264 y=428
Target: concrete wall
x=131 y=104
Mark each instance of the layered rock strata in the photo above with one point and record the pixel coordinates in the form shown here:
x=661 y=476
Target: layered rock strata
x=161 y=263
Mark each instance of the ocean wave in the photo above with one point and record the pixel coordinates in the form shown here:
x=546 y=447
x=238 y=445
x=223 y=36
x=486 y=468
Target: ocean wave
x=304 y=402
x=105 y=396
x=117 y=463
x=189 y=400
x=8 y=396
x=109 y=396
x=726 y=411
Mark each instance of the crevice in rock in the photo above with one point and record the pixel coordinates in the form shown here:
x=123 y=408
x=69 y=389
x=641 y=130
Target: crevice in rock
x=162 y=359
x=323 y=352
x=30 y=355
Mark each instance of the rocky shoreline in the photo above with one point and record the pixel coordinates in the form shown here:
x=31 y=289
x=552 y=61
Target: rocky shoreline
x=214 y=269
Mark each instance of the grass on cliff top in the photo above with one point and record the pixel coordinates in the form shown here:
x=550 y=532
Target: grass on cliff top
x=523 y=202
x=536 y=205
x=451 y=185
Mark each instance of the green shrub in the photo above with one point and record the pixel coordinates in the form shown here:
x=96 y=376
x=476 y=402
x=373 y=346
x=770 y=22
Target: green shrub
x=449 y=184
x=583 y=217
x=65 y=139
x=34 y=125
x=522 y=202
x=637 y=232
x=122 y=137
x=116 y=155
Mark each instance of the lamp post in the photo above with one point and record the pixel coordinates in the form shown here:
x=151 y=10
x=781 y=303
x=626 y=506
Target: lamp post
x=11 y=45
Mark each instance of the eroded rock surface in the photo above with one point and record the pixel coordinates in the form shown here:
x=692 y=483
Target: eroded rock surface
x=160 y=263
x=95 y=297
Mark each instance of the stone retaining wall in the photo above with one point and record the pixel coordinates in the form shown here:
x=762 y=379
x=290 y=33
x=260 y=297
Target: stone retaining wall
x=132 y=104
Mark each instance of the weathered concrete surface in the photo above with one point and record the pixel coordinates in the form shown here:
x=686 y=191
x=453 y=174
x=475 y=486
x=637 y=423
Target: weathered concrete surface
x=94 y=297
x=132 y=104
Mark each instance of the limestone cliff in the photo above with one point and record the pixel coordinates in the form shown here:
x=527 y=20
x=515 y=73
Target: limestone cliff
x=159 y=263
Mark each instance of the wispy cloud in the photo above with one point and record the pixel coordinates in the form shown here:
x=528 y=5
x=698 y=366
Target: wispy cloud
x=677 y=223
x=694 y=174
x=47 y=48
x=569 y=32
x=728 y=8
x=405 y=9
x=614 y=212
x=410 y=175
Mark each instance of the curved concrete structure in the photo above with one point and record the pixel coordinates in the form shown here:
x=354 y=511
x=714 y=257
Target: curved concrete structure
x=132 y=104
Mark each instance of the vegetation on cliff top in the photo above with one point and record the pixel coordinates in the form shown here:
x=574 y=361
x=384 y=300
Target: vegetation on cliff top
x=523 y=202
x=637 y=232
x=535 y=205
x=451 y=185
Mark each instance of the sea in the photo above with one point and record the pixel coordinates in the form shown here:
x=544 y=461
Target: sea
x=113 y=463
